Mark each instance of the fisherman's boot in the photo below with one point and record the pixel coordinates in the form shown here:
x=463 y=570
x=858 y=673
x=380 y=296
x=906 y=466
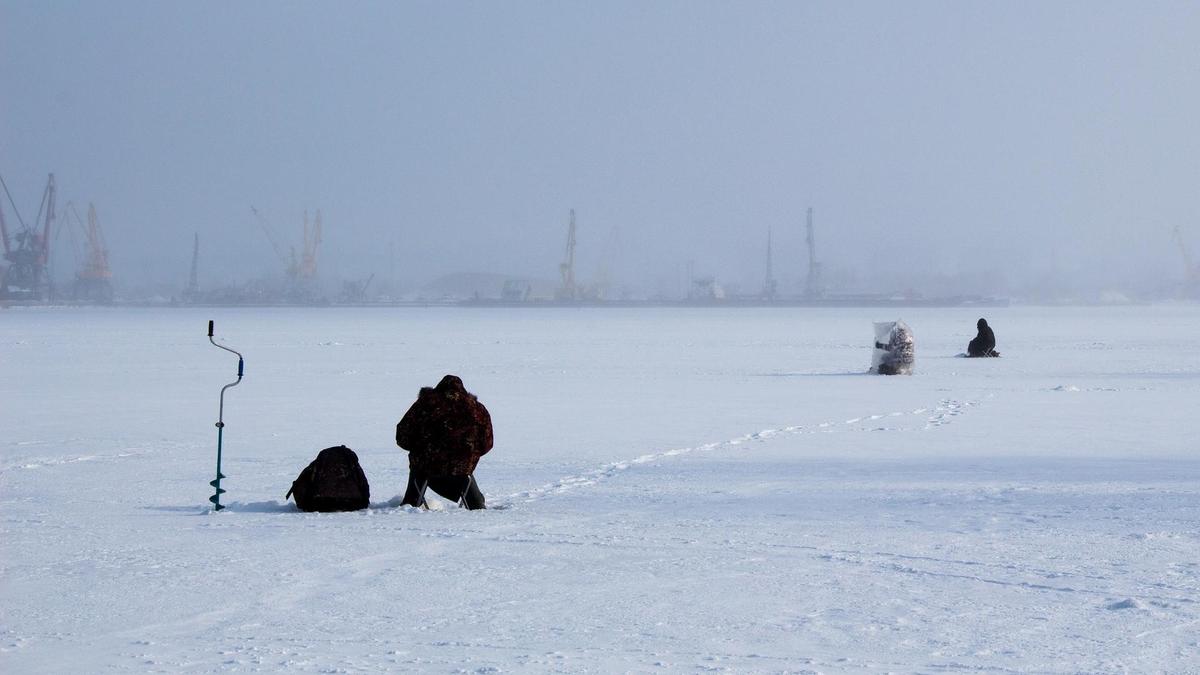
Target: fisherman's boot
x=414 y=494
x=472 y=498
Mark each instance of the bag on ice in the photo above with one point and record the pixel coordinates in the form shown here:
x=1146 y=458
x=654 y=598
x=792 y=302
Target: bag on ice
x=894 y=350
x=334 y=481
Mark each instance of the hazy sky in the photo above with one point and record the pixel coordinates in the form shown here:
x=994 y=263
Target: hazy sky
x=1001 y=139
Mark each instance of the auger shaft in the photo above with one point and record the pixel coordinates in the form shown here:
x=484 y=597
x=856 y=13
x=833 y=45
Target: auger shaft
x=216 y=498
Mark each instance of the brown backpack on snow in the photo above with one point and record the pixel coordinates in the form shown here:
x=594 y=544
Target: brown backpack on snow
x=334 y=481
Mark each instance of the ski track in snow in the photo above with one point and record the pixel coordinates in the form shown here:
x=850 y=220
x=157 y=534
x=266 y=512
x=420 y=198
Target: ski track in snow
x=946 y=411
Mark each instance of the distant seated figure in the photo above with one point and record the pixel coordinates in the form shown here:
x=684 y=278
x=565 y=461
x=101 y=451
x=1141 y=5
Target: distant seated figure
x=895 y=350
x=984 y=343
x=445 y=432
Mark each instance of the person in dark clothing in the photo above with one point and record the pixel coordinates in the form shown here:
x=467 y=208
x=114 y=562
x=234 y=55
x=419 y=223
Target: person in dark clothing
x=445 y=432
x=984 y=343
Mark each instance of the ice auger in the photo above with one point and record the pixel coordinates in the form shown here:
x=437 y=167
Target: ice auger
x=216 y=498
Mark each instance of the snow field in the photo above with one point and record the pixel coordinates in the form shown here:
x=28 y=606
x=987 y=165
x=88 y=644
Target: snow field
x=671 y=490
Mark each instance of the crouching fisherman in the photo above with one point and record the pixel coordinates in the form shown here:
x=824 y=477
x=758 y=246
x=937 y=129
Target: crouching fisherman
x=984 y=343
x=445 y=432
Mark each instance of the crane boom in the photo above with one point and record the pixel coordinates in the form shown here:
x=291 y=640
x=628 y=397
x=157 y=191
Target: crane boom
x=813 y=287
x=312 y=238
x=288 y=264
x=96 y=260
x=16 y=212
x=4 y=231
x=1193 y=272
x=193 y=287
x=810 y=239
x=46 y=215
x=771 y=286
x=567 y=268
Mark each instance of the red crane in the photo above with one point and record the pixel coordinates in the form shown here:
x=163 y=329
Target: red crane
x=26 y=277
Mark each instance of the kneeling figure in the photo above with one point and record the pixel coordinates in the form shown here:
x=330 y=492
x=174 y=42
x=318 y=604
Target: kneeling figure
x=445 y=432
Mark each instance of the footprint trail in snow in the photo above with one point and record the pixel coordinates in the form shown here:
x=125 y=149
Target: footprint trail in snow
x=944 y=413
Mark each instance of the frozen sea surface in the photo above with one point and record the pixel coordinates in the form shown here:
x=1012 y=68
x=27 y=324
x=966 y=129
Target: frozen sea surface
x=672 y=490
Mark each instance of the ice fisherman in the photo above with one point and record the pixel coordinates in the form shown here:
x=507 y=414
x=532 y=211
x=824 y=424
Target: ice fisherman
x=984 y=343
x=897 y=355
x=445 y=432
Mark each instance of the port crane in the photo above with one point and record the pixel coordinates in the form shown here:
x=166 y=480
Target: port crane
x=312 y=239
x=770 y=286
x=1191 y=269
x=28 y=251
x=304 y=268
x=813 y=287
x=93 y=282
x=93 y=277
x=568 y=291
x=192 y=292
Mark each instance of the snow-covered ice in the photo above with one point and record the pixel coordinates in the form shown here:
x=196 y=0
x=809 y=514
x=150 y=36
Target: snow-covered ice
x=671 y=490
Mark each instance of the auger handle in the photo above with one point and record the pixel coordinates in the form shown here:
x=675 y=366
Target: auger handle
x=231 y=351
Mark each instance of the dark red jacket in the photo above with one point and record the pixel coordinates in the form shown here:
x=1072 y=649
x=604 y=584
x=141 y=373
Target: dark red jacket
x=445 y=431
